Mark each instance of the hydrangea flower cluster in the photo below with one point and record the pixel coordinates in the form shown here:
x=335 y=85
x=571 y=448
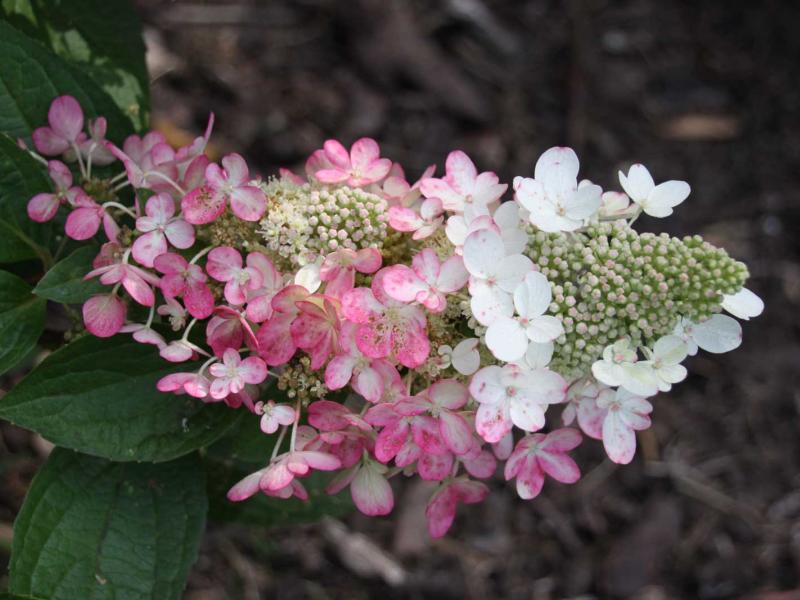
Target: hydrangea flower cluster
x=378 y=327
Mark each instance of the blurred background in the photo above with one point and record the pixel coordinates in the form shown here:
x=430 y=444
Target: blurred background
x=702 y=91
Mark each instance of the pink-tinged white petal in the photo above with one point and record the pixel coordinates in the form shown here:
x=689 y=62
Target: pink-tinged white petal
x=483 y=251
x=369 y=383
x=489 y=304
x=455 y=432
x=224 y=263
x=493 y=421
x=83 y=223
x=371 y=493
x=248 y=203
x=619 y=439
x=245 y=488
x=718 y=334
x=465 y=357
x=149 y=246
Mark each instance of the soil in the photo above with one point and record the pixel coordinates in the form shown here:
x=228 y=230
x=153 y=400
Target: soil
x=701 y=91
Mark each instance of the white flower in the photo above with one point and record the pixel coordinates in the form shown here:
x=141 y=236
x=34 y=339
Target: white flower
x=508 y=337
x=493 y=275
x=717 y=334
x=664 y=360
x=464 y=358
x=510 y=395
x=743 y=304
x=553 y=197
x=655 y=200
x=537 y=356
x=620 y=367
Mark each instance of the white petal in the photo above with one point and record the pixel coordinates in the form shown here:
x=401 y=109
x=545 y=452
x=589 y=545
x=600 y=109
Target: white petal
x=544 y=329
x=718 y=334
x=490 y=303
x=527 y=415
x=308 y=277
x=743 y=304
x=668 y=195
x=639 y=378
x=506 y=338
x=465 y=356
x=533 y=296
x=511 y=271
x=557 y=169
x=607 y=372
x=538 y=356
x=584 y=203
x=670 y=349
x=672 y=373
x=483 y=252
x=638 y=184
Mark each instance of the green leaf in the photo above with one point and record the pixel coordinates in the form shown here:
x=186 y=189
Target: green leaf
x=21 y=177
x=21 y=320
x=91 y=528
x=10 y=596
x=271 y=512
x=99 y=396
x=31 y=76
x=103 y=36
x=64 y=283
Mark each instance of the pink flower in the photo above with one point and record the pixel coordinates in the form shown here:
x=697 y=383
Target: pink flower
x=365 y=375
x=427 y=281
x=85 y=219
x=462 y=185
x=137 y=282
x=189 y=281
x=152 y=163
x=225 y=264
x=316 y=329
x=360 y=167
x=509 y=395
x=233 y=373
x=65 y=118
x=540 y=453
x=159 y=227
x=626 y=414
x=104 y=315
x=441 y=510
x=339 y=268
x=369 y=489
x=179 y=351
x=229 y=329
x=423 y=222
x=259 y=301
x=274 y=415
x=94 y=146
x=395 y=430
x=43 y=207
x=275 y=337
x=441 y=401
x=387 y=327
x=231 y=184
x=398 y=192
x=282 y=472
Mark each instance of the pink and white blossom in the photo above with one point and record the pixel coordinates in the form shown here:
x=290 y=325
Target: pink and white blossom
x=274 y=415
x=359 y=167
x=231 y=375
x=441 y=509
x=539 y=454
x=462 y=185
x=427 y=281
x=626 y=414
x=159 y=226
x=231 y=184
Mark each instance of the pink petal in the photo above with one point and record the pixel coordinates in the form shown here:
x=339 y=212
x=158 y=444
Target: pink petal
x=369 y=383
x=404 y=219
x=530 y=479
x=246 y=487
x=201 y=206
x=363 y=152
x=253 y=370
x=160 y=207
x=368 y=260
x=372 y=173
x=449 y=393
x=199 y=300
x=224 y=263
x=619 y=440
x=391 y=439
x=138 y=288
x=321 y=461
x=461 y=171
x=48 y=142
x=559 y=466
x=180 y=234
x=482 y=466
x=360 y=305
x=456 y=432
x=435 y=467
x=426 y=435
x=82 y=223
x=104 y=315
x=562 y=440
x=402 y=283
x=337 y=154
x=339 y=371
x=332 y=176
x=453 y=275
x=43 y=207
x=66 y=117
x=441 y=511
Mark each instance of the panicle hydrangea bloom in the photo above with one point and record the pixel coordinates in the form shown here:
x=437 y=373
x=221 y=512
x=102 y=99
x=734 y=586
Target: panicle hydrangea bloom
x=378 y=327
